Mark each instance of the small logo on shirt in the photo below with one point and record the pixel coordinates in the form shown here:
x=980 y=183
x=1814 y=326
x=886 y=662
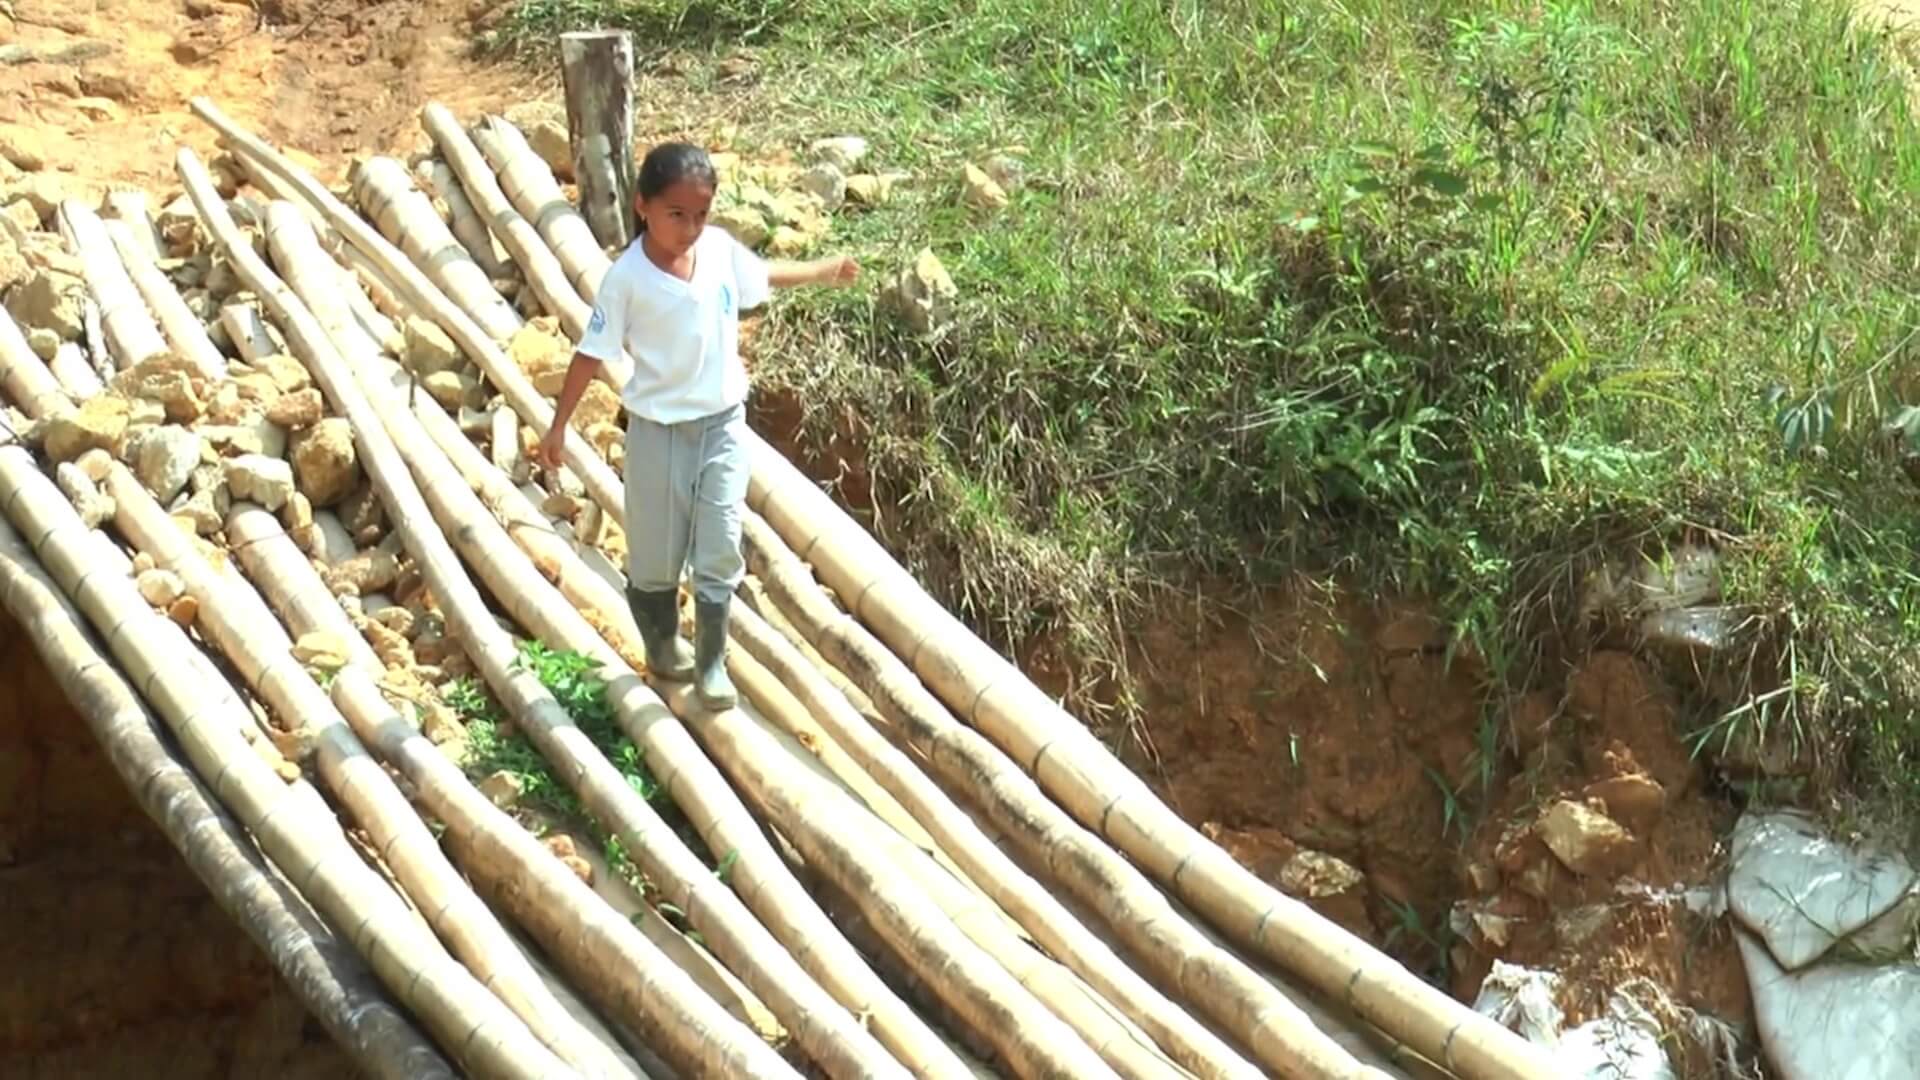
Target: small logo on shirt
x=597 y=323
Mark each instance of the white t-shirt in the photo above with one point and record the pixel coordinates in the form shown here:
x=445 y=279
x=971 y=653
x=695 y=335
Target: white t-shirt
x=684 y=336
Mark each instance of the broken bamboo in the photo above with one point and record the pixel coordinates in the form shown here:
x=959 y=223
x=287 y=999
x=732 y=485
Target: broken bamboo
x=129 y=330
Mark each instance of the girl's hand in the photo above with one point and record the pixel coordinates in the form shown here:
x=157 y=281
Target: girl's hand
x=839 y=272
x=552 y=447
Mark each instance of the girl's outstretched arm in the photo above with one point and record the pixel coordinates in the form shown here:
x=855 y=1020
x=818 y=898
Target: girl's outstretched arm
x=835 y=270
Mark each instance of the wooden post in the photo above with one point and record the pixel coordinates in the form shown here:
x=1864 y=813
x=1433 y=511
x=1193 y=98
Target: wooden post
x=597 y=67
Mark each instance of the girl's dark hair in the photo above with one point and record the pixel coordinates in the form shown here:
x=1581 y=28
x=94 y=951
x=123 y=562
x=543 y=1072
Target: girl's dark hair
x=668 y=164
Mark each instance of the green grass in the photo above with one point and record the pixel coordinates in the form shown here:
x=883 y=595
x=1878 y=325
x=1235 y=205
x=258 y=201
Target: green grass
x=574 y=681
x=1450 y=300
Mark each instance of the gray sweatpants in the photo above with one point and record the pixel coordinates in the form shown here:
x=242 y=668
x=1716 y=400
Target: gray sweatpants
x=685 y=485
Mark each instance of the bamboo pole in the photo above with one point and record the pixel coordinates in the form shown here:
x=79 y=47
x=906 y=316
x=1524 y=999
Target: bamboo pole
x=1266 y=1022
x=183 y=329
x=640 y=974
x=130 y=332
x=406 y=217
x=23 y=377
x=291 y=822
x=596 y=67
x=1026 y=899
x=373 y=315
x=331 y=982
x=1033 y=1014
x=1106 y=797
x=232 y=617
x=811 y=1016
x=464 y=220
x=131 y=206
x=417 y=290
x=543 y=271
x=529 y=185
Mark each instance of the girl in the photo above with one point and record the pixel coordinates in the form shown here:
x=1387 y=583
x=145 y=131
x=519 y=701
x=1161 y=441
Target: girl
x=672 y=300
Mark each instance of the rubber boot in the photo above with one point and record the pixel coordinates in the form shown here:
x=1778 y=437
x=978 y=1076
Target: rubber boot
x=658 y=616
x=710 y=655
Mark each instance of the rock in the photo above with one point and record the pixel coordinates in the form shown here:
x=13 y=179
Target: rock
x=842 y=152
x=287 y=373
x=298 y=410
x=789 y=243
x=1585 y=840
x=202 y=510
x=98 y=109
x=23 y=147
x=599 y=405
x=429 y=349
x=97 y=464
x=50 y=300
x=325 y=463
x=160 y=588
x=112 y=85
x=361 y=512
x=318 y=648
x=449 y=388
x=222 y=282
x=163 y=458
x=183 y=611
x=255 y=436
x=261 y=479
x=1634 y=799
x=98 y=423
x=94 y=506
x=333 y=544
x=979 y=191
x=166 y=379
x=923 y=296
x=390 y=646
x=366 y=572
x=827 y=183
x=44 y=343
x=144 y=413
x=40 y=191
x=746 y=224
x=1834 y=1020
x=1006 y=170
x=503 y=789
x=1802 y=893
x=870 y=190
